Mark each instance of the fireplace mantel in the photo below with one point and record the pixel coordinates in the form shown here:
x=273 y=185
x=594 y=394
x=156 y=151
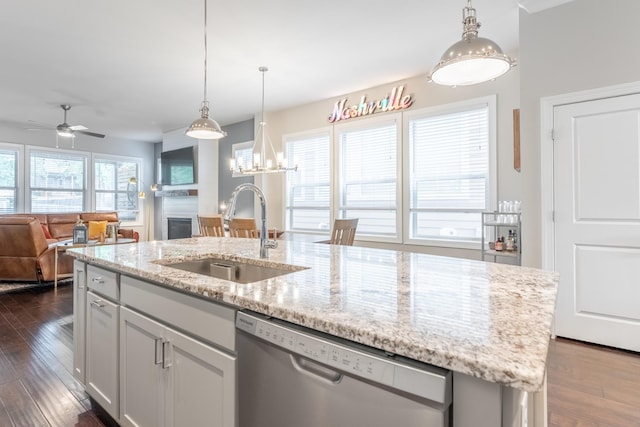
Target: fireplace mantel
x=177 y=193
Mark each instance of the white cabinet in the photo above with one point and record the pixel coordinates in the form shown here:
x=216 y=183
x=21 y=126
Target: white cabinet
x=169 y=378
x=79 y=318
x=141 y=370
x=101 y=345
x=505 y=225
x=202 y=384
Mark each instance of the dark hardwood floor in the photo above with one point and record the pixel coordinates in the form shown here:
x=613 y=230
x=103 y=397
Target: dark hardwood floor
x=588 y=385
x=37 y=387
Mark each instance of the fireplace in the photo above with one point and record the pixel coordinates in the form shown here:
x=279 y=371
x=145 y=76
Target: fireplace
x=178 y=228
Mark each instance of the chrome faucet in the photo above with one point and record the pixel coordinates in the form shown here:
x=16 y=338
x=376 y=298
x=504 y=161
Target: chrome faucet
x=265 y=243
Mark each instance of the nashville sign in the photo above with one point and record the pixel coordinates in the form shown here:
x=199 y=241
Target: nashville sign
x=393 y=101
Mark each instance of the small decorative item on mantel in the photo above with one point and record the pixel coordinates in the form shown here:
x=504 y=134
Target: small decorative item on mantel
x=79 y=232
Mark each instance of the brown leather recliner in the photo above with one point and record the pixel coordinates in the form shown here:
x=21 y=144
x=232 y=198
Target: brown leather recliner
x=25 y=254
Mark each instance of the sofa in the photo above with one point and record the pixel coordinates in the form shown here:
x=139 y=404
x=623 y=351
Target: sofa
x=31 y=254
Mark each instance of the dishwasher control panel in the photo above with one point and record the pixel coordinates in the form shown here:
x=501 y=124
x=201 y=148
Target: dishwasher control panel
x=429 y=382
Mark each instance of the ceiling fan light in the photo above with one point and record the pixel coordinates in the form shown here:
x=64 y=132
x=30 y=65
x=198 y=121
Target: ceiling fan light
x=65 y=132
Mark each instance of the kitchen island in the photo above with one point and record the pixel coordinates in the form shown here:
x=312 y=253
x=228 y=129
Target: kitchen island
x=484 y=321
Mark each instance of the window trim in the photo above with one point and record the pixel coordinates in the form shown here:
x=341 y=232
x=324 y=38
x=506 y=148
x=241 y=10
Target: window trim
x=490 y=102
x=237 y=147
x=323 y=131
x=20 y=176
x=362 y=124
x=88 y=180
x=140 y=216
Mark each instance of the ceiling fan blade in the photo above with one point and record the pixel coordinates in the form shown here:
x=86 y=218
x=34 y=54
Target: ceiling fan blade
x=84 y=132
x=78 y=127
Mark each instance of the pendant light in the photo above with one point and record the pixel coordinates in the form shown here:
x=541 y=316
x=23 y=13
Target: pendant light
x=264 y=158
x=204 y=127
x=471 y=60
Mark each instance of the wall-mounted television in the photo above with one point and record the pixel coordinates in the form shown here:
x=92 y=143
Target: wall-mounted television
x=178 y=167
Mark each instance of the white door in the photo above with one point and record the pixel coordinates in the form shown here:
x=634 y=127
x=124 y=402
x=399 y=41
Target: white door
x=202 y=384
x=141 y=372
x=597 y=220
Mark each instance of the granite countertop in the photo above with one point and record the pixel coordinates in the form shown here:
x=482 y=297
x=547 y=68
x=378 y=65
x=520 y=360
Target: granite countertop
x=491 y=321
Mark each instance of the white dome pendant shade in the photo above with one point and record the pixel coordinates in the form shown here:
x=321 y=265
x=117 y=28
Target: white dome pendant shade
x=473 y=59
x=204 y=127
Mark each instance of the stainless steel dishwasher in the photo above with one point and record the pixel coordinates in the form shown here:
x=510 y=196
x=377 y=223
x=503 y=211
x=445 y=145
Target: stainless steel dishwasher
x=291 y=377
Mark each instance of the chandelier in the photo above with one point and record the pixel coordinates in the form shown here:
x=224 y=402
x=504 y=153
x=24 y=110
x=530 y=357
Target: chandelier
x=264 y=158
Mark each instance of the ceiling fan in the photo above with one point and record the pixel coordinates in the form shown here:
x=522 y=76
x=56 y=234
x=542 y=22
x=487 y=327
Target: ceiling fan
x=64 y=129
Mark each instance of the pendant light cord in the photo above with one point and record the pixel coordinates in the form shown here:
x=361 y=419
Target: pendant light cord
x=205 y=51
x=263 y=69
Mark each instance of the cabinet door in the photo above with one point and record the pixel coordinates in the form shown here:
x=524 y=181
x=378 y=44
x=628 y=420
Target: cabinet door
x=202 y=384
x=141 y=372
x=102 y=352
x=79 y=319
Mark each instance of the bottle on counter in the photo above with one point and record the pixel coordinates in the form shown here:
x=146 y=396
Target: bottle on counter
x=500 y=244
x=509 y=245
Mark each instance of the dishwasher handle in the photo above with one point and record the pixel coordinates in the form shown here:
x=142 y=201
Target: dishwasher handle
x=315 y=370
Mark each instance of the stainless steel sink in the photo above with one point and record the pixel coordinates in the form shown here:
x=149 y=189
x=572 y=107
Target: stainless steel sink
x=235 y=271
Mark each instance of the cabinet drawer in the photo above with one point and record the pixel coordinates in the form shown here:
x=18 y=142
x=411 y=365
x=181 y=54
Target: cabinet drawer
x=208 y=320
x=103 y=282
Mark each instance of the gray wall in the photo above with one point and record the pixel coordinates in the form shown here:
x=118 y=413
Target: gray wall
x=237 y=132
x=580 y=45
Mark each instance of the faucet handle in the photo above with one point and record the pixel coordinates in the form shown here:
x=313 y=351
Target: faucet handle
x=271 y=244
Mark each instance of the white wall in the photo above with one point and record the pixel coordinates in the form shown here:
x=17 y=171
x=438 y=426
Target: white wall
x=581 y=45
x=314 y=116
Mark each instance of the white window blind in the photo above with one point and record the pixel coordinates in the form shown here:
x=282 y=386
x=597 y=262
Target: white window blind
x=113 y=189
x=368 y=179
x=244 y=157
x=8 y=181
x=449 y=174
x=308 y=189
x=57 y=181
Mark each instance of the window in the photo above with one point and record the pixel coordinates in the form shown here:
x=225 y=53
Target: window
x=449 y=172
x=368 y=178
x=308 y=190
x=242 y=155
x=8 y=180
x=57 y=181
x=114 y=189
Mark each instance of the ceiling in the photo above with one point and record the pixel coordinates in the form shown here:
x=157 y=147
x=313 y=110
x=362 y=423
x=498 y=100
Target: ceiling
x=135 y=69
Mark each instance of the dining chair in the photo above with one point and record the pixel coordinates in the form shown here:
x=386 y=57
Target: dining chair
x=243 y=227
x=211 y=225
x=344 y=231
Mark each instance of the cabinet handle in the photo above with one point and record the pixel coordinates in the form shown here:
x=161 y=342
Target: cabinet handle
x=81 y=282
x=158 y=356
x=165 y=355
x=97 y=303
x=99 y=280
